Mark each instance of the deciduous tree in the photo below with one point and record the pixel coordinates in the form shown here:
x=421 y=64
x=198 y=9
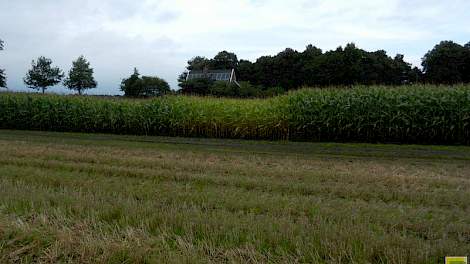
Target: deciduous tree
x=132 y=86
x=145 y=86
x=42 y=74
x=224 y=60
x=80 y=77
x=154 y=86
x=198 y=63
x=445 y=63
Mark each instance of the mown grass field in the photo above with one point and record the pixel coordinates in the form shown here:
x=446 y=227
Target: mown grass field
x=86 y=198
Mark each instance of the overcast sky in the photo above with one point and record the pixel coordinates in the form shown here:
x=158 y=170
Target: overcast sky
x=159 y=36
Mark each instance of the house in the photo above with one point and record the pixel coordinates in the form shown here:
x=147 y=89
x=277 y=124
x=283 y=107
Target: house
x=215 y=75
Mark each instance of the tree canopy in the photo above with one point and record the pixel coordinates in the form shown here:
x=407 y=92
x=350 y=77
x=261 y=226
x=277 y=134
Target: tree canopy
x=346 y=66
x=291 y=69
x=198 y=64
x=80 y=77
x=42 y=74
x=154 y=86
x=447 y=63
x=145 y=86
x=224 y=60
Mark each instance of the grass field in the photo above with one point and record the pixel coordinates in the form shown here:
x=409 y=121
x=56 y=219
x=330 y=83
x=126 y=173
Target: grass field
x=86 y=198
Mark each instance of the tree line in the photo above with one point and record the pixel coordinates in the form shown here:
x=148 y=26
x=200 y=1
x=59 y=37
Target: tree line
x=43 y=75
x=80 y=78
x=447 y=63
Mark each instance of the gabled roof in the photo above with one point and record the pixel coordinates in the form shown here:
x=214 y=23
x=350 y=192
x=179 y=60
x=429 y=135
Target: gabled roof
x=216 y=75
x=212 y=71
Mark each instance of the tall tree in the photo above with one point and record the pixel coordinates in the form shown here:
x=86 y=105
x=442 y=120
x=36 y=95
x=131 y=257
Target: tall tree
x=224 y=60
x=145 y=86
x=80 y=76
x=3 y=78
x=154 y=86
x=310 y=65
x=42 y=74
x=445 y=63
x=132 y=86
x=466 y=70
x=182 y=79
x=287 y=70
x=246 y=71
x=198 y=64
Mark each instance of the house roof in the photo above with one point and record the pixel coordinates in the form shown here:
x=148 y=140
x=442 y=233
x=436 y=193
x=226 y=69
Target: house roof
x=213 y=71
x=216 y=75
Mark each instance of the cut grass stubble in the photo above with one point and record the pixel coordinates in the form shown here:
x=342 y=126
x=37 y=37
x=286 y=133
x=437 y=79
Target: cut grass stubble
x=64 y=199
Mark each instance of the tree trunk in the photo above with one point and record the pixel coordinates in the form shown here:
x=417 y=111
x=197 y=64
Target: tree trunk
x=43 y=89
x=79 y=91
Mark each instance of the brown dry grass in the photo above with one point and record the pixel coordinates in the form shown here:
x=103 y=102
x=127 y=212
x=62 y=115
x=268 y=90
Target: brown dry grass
x=115 y=199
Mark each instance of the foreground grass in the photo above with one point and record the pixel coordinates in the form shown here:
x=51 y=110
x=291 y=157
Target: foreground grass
x=122 y=199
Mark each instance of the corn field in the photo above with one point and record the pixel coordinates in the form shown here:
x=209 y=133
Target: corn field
x=413 y=114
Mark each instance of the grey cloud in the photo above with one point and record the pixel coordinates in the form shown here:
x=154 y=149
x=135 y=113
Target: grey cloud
x=153 y=35
x=46 y=28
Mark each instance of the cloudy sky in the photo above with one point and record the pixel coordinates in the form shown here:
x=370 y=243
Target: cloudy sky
x=159 y=36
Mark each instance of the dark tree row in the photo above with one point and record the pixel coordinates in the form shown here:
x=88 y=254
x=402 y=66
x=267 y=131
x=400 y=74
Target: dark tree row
x=446 y=63
x=291 y=69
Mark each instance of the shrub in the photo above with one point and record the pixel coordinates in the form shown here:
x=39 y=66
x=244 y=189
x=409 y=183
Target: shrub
x=224 y=89
x=196 y=86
